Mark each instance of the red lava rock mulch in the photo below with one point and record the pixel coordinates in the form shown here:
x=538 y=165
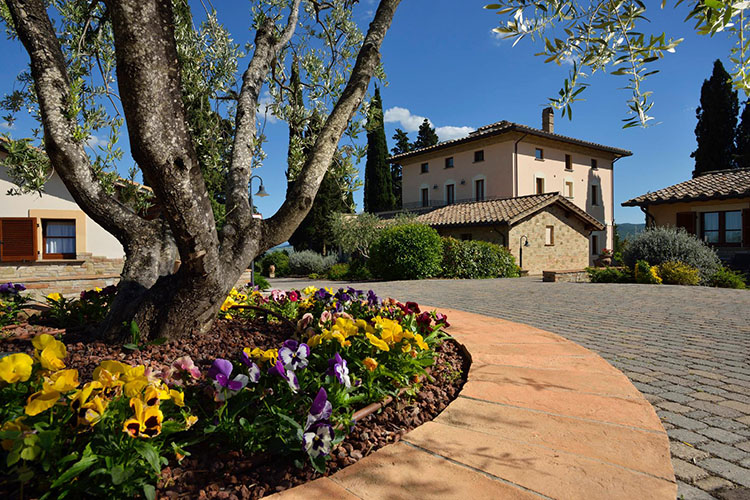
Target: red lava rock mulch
x=208 y=473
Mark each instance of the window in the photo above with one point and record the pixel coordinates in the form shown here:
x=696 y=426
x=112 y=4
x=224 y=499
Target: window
x=449 y=162
x=594 y=195
x=59 y=239
x=594 y=244
x=568 y=162
x=479 y=155
x=539 y=185
x=549 y=236
x=450 y=194
x=594 y=163
x=424 y=168
x=425 y=197
x=466 y=237
x=479 y=189
x=722 y=228
x=569 y=189
x=539 y=154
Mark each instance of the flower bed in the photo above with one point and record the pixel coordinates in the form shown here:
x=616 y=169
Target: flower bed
x=267 y=407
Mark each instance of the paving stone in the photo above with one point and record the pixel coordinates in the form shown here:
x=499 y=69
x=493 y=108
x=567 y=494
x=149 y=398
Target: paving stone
x=686 y=436
x=698 y=415
x=682 y=421
x=727 y=470
x=737 y=405
x=706 y=396
x=740 y=493
x=687 y=471
x=721 y=435
x=686 y=452
x=674 y=407
x=687 y=492
x=712 y=483
x=745 y=445
x=724 y=451
x=716 y=408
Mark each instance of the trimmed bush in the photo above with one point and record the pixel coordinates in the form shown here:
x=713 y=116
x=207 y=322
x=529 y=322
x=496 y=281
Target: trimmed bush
x=645 y=274
x=280 y=259
x=358 y=271
x=664 y=244
x=338 y=272
x=677 y=273
x=309 y=262
x=727 y=278
x=610 y=275
x=261 y=282
x=412 y=251
x=476 y=259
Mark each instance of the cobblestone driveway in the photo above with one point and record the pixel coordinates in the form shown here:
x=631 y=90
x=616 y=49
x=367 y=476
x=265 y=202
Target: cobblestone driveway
x=686 y=348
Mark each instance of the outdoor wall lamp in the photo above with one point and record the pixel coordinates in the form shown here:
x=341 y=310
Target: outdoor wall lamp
x=521 y=244
x=260 y=194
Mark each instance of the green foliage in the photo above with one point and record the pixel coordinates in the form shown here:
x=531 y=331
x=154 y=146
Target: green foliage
x=338 y=272
x=412 y=251
x=646 y=274
x=476 y=259
x=677 y=273
x=89 y=309
x=426 y=136
x=354 y=234
x=610 y=275
x=261 y=282
x=280 y=259
x=378 y=182
x=12 y=302
x=402 y=145
x=611 y=36
x=27 y=166
x=717 y=118
x=742 y=139
x=307 y=262
x=664 y=244
x=727 y=278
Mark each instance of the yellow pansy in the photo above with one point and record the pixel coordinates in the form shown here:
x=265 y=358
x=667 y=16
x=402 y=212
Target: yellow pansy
x=370 y=364
x=420 y=342
x=271 y=355
x=147 y=420
x=178 y=397
x=49 y=351
x=16 y=368
x=377 y=342
x=13 y=425
x=40 y=401
x=62 y=381
x=406 y=347
x=54 y=297
x=91 y=412
x=309 y=290
x=52 y=388
x=190 y=420
x=154 y=395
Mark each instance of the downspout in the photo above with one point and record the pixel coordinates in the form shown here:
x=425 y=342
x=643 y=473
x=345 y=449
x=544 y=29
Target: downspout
x=612 y=247
x=515 y=164
x=650 y=220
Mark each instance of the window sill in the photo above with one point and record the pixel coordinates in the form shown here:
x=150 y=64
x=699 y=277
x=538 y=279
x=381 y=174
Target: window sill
x=45 y=262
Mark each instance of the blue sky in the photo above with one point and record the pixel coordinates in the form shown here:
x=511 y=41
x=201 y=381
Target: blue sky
x=444 y=63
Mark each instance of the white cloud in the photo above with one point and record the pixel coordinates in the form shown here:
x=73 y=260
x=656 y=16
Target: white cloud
x=7 y=126
x=410 y=123
x=264 y=108
x=94 y=141
x=449 y=133
x=497 y=38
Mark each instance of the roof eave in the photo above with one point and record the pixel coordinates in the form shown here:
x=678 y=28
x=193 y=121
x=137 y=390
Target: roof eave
x=639 y=203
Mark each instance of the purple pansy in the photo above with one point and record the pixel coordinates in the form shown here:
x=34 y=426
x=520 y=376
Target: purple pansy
x=320 y=411
x=318 y=440
x=253 y=371
x=220 y=371
x=337 y=368
x=322 y=295
x=372 y=299
x=288 y=375
x=12 y=289
x=293 y=355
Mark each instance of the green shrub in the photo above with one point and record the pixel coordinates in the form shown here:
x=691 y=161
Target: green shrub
x=338 y=272
x=727 y=278
x=677 y=273
x=261 y=282
x=646 y=274
x=412 y=251
x=664 y=244
x=308 y=262
x=280 y=259
x=358 y=271
x=610 y=275
x=476 y=259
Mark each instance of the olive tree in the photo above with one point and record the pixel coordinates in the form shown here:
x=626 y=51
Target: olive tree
x=137 y=47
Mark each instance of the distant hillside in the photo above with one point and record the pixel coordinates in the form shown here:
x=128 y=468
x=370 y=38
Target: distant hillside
x=628 y=230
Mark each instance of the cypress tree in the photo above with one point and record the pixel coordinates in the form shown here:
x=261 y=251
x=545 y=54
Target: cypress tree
x=742 y=139
x=717 y=119
x=402 y=146
x=426 y=136
x=378 y=183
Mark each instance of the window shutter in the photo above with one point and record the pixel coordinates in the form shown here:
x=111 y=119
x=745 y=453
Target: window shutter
x=686 y=220
x=746 y=227
x=17 y=239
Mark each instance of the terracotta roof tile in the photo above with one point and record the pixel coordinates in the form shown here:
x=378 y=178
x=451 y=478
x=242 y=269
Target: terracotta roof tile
x=506 y=210
x=714 y=185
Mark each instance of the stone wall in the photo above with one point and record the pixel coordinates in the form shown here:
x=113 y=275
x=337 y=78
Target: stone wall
x=565 y=277
x=570 y=250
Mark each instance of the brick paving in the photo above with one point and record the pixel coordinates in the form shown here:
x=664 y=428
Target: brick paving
x=687 y=349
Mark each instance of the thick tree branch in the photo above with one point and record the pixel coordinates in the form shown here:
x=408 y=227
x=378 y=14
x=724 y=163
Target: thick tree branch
x=267 y=48
x=68 y=157
x=278 y=228
x=148 y=77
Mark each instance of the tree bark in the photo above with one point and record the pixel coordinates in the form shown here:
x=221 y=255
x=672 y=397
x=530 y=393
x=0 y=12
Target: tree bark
x=167 y=304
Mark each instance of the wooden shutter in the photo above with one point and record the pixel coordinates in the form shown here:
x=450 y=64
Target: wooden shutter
x=686 y=220
x=746 y=227
x=17 y=239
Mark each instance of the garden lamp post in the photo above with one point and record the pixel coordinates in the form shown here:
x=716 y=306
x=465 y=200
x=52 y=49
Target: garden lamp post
x=521 y=244
x=261 y=194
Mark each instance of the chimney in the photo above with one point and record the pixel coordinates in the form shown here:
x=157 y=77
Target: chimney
x=548 y=120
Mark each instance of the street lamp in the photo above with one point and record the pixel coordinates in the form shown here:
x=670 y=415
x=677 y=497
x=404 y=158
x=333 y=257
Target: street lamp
x=522 y=244
x=260 y=194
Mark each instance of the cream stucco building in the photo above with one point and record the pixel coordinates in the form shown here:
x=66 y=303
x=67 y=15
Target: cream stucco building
x=506 y=160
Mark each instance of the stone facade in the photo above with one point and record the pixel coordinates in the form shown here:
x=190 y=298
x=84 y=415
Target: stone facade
x=497 y=235
x=570 y=249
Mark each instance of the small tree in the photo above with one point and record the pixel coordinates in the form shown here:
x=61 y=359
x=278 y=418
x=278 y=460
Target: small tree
x=426 y=136
x=378 y=184
x=717 y=119
x=402 y=146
